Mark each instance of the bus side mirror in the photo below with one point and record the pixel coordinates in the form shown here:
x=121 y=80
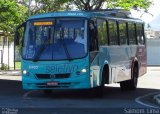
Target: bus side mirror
x=17 y=33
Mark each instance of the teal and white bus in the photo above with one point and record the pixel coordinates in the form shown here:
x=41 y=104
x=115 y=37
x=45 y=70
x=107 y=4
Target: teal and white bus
x=82 y=50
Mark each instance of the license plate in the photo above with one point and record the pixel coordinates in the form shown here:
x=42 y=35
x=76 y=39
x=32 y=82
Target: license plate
x=52 y=83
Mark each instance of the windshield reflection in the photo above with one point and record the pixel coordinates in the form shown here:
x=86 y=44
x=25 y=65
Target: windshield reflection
x=61 y=39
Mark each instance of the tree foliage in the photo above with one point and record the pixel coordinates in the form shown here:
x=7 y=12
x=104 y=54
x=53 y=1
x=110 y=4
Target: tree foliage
x=128 y=4
x=14 y=12
x=107 y=4
x=49 y=5
x=88 y=4
x=11 y=15
x=42 y=6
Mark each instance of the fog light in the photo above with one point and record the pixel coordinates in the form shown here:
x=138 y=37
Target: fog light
x=84 y=70
x=24 y=72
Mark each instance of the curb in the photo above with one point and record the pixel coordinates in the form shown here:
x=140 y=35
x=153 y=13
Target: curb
x=156 y=68
x=10 y=73
x=157 y=99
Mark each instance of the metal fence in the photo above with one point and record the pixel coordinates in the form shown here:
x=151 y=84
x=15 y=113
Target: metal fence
x=0 y=58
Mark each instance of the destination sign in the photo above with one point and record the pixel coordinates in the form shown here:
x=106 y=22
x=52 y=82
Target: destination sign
x=43 y=23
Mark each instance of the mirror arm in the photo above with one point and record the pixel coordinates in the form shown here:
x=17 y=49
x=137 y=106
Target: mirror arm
x=16 y=39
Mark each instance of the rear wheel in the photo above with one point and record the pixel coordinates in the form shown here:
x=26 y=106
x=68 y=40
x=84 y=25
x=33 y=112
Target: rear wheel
x=130 y=84
x=134 y=80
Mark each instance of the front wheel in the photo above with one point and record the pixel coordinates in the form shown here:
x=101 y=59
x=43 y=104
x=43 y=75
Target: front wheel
x=99 y=91
x=130 y=84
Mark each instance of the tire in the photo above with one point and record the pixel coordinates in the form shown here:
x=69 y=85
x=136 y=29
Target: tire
x=130 y=84
x=124 y=85
x=99 y=91
x=134 y=80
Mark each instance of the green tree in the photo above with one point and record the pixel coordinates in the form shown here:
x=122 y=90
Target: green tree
x=129 y=4
x=12 y=14
x=50 y=5
x=98 y=4
x=43 y=6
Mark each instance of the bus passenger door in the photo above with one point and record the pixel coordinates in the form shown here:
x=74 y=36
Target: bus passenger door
x=93 y=51
x=93 y=40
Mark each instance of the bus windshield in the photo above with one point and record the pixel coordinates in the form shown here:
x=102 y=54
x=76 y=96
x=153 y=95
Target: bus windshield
x=55 y=39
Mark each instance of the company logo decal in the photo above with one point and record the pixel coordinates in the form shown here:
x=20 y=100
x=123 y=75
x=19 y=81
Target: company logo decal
x=61 y=68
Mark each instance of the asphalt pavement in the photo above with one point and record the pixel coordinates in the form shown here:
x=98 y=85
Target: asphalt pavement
x=16 y=100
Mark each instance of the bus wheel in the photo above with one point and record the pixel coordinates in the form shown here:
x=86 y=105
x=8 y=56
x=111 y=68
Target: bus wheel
x=130 y=84
x=99 y=91
x=47 y=92
x=134 y=80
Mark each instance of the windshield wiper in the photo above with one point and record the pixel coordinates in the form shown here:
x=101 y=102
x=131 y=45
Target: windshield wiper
x=42 y=47
x=65 y=47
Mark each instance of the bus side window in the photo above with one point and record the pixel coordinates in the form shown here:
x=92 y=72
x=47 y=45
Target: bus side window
x=140 y=37
x=93 y=36
x=102 y=32
x=113 y=35
x=122 y=33
x=131 y=33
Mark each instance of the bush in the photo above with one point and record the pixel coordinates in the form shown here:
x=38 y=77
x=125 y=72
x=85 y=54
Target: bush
x=4 y=66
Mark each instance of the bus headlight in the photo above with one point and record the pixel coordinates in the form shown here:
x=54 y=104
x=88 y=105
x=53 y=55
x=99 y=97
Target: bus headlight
x=84 y=70
x=24 y=72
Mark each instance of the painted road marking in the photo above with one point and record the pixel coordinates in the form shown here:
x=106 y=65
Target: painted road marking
x=138 y=100
x=26 y=95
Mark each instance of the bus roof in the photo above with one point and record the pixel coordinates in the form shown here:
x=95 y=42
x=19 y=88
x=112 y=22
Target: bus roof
x=83 y=14
x=66 y=14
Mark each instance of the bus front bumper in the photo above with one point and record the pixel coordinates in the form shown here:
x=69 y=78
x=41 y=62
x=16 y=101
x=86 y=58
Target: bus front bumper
x=81 y=82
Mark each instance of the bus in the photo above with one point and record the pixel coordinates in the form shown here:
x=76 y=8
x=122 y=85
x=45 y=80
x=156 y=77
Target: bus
x=81 y=50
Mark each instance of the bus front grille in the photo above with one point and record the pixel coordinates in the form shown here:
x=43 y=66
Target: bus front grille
x=52 y=76
x=43 y=76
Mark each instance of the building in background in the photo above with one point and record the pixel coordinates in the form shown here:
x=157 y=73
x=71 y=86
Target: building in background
x=152 y=33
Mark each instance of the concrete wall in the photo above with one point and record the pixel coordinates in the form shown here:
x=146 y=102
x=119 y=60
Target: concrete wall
x=153 y=51
x=6 y=57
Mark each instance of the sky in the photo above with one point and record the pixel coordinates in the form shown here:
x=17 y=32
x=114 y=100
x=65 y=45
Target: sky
x=154 y=19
